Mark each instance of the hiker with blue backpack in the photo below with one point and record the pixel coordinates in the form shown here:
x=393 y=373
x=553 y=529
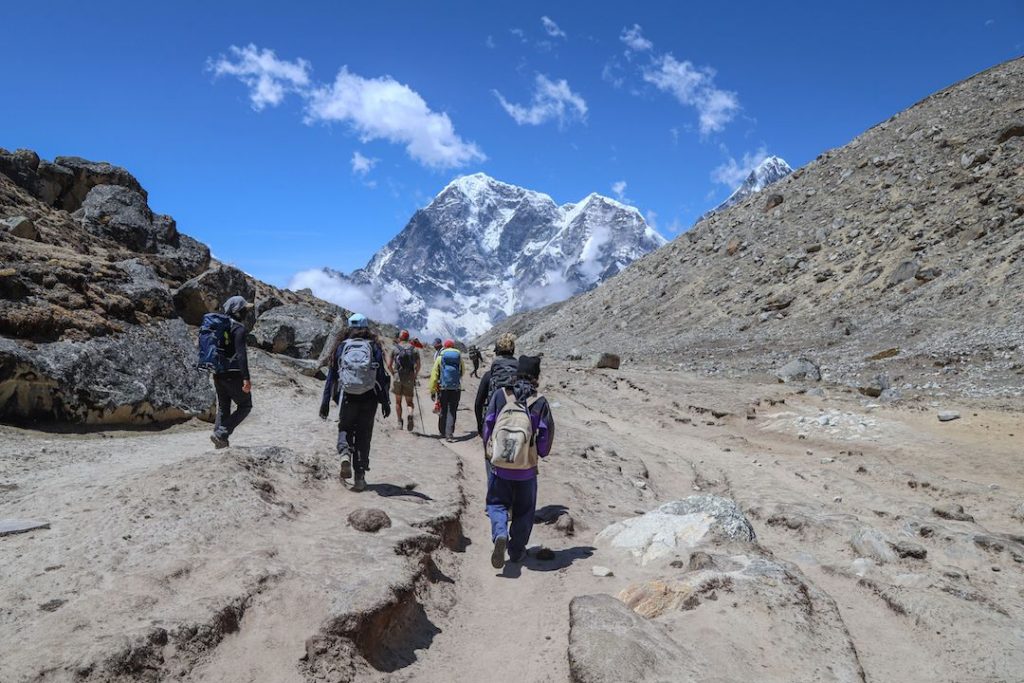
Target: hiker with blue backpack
x=518 y=431
x=222 y=351
x=446 y=384
x=357 y=381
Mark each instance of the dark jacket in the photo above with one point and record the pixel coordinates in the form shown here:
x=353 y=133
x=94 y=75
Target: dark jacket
x=238 y=357
x=480 y=404
x=332 y=387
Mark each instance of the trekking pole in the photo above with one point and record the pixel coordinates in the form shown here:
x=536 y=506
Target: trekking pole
x=419 y=405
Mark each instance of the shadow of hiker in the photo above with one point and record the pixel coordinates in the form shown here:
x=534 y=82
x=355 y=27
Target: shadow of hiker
x=549 y=513
x=468 y=436
x=390 y=490
x=562 y=559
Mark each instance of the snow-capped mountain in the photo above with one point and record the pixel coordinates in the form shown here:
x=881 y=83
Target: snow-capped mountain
x=484 y=249
x=767 y=172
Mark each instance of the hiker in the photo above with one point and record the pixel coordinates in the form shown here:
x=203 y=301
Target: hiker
x=474 y=355
x=518 y=430
x=446 y=383
x=501 y=374
x=404 y=366
x=357 y=382
x=229 y=361
x=438 y=347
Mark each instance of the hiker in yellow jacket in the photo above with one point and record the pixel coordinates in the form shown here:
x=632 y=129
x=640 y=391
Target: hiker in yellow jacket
x=446 y=384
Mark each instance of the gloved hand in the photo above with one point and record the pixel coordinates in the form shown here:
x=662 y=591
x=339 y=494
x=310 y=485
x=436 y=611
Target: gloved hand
x=323 y=413
x=385 y=410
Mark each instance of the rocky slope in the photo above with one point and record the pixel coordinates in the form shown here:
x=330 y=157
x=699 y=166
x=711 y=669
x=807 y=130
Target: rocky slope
x=483 y=249
x=97 y=294
x=895 y=262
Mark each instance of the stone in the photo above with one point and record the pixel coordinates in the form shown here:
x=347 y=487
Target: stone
x=209 y=291
x=598 y=570
x=928 y=274
x=369 y=520
x=948 y=415
x=906 y=270
x=882 y=355
x=145 y=375
x=953 y=511
x=9 y=527
x=291 y=329
x=574 y=354
x=872 y=543
x=907 y=549
x=606 y=360
x=122 y=216
x=85 y=175
x=20 y=226
x=181 y=257
x=1018 y=512
x=678 y=528
x=608 y=642
x=799 y=369
x=144 y=289
x=732 y=247
x=772 y=201
x=565 y=524
x=1014 y=130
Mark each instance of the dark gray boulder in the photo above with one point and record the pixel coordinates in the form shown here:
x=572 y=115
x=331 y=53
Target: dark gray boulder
x=20 y=166
x=181 y=258
x=121 y=215
x=799 y=369
x=146 y=375
x=209 y=291
x=53 y=182
x=20 y=226
x=369 y=520
x=607 y=360
x=144 y=288
x=291 y=329
x=88 y=174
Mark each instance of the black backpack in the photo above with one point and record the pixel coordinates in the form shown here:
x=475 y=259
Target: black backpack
x=503 y=374
x=405 y=360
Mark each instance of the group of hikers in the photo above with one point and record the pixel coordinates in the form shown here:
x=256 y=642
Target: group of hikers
x=513 y=419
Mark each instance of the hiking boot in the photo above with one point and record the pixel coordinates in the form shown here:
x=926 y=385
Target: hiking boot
x=359 y=484
x=399 y=421
x=408 y=423
x=219 y=442
x=346 y=468
x=498 y=555
x=450 y=439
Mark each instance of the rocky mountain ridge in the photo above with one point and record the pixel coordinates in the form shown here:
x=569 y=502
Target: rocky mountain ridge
x=771 y=170
x=895 y=262
x=484 y=249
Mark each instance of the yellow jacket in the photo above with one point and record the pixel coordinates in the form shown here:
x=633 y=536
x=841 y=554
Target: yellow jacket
x=435 y=372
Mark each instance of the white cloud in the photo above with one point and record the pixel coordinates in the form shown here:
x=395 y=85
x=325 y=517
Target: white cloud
x=384 y=109
x=357 y=298
x=269 y=79
x=490 y=42
x=552 y=287
x=619 y=190
x=674 y=132
x=552 y=28
x=362 y=165
x=634 y=39
x=694 y=87
x=612 y=73
x=551 y=100
x=376 y=108
x=652 y=219
x=734 y=172
x=675 y=227
x=990 y=22
x=518 y=33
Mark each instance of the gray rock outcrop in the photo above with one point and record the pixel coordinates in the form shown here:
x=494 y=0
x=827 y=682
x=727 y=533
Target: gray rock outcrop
x=799 y=369
x=291 y=329
x=209 y=291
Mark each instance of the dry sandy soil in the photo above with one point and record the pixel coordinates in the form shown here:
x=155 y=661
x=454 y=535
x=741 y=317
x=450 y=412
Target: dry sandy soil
x=167 y=560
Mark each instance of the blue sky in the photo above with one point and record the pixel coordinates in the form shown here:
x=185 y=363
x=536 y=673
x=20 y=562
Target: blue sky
x=292 y=136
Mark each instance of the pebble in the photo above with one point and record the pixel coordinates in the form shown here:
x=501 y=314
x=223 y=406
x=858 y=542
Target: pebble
x=837 y=499
x=827 y=461
x=948 y=415
x=598 y=570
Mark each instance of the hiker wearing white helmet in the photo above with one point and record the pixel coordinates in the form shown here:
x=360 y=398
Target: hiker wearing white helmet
x=357 y=382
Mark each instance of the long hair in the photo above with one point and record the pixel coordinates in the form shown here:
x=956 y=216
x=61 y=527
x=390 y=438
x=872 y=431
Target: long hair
x=350 y=333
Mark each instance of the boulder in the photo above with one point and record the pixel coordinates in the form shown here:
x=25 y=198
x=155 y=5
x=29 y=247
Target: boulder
x=9 y=527
x=291 y=329
x=180 y=258
x=609 y=643
x=209 y=291
x=54 y=181
x=948 y=415
x=953 y=511
x=872 y=543
x=369 y=520
x=21 y=166
x=88 y=174
x=606 y=360
x=906 y=270
x=145 y=375
x=677 y=528
x=799 y=369
x=20 y=226
x=145 y=290
x=121 y=215
x=337 y=327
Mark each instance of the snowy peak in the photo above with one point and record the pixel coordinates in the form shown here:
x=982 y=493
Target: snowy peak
x=771 y=170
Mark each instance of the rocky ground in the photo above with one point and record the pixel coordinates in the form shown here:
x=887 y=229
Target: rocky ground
x=822 y=537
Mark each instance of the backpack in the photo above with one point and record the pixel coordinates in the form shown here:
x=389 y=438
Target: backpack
x=214 y=338
x=451 y=369
x=357 y=370
x=405 y=360
x=512 y=445
x=503 y=374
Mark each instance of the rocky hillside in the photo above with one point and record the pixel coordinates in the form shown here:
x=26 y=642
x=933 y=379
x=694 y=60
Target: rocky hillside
x=771 y=170
x=895 y=262
x=98 y=293
x=483 y=249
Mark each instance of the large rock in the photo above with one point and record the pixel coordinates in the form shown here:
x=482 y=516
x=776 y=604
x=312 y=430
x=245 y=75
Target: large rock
x=609 y=643
x=121 y=215
x=607 y=360
x=369 y=520
x=291 y=329
x=88 y=174
x=799 y=369
x=677 y=528
x=209 y=291
x=145 y=290
x=20 y=166
x=143 y=376
x=181 y=258
x=747 y=618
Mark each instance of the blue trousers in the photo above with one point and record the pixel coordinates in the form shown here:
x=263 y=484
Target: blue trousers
x=511 y=506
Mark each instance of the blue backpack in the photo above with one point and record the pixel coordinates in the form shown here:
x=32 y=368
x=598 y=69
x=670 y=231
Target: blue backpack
x=451 y=369
x=214 y=337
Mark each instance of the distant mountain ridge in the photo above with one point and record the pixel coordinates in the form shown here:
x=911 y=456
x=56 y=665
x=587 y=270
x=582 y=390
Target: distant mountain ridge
x=484 y=249
x=771 y=170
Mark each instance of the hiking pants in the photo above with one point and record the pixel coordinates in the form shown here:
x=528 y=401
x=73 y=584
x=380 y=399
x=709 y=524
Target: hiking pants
x=511 y=506
x=355 y=428
x=229 y=388
x=449 y=406
x=476 y=366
